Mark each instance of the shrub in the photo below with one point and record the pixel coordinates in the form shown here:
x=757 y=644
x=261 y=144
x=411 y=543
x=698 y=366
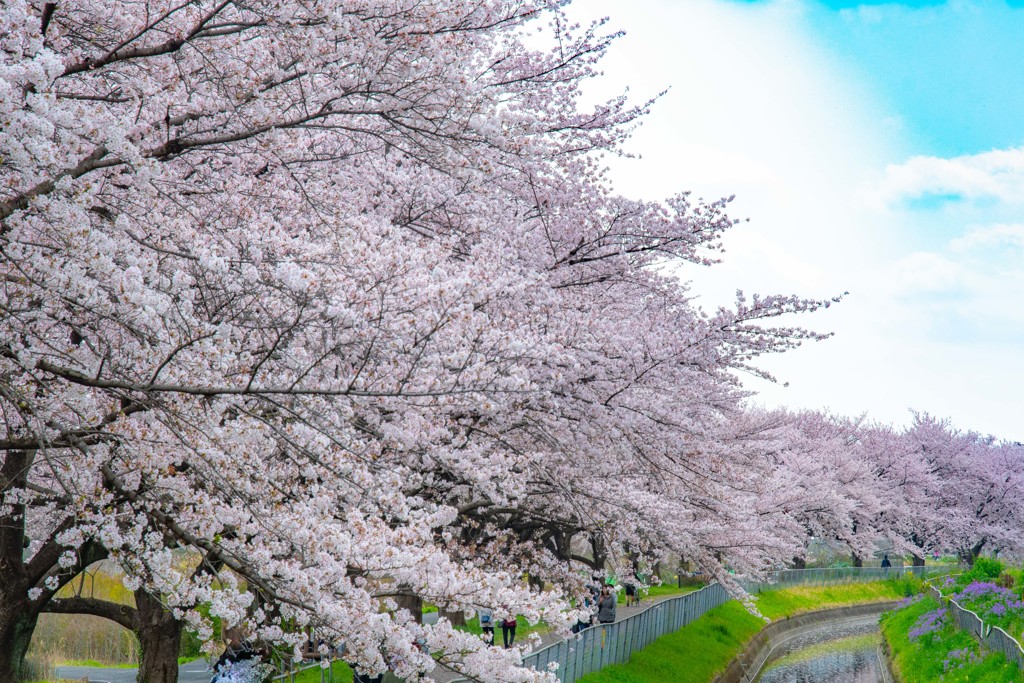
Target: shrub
x=986 y=568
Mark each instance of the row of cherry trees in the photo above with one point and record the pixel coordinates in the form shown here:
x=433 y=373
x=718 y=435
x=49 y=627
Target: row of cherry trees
x=924 y=489
x=332 y=299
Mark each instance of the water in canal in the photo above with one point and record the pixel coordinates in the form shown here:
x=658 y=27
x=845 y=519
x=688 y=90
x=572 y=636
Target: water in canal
x=836 y=653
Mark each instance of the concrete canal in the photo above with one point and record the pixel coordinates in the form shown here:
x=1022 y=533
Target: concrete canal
x=839 y=652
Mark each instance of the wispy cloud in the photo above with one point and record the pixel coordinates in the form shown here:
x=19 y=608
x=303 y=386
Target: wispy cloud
x=995 y=175
x=1000 y=237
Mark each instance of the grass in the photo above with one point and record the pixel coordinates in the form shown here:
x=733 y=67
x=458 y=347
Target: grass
x=927 y=658
x=786 y=603
x=97 y=664
x=669 y=589
x=699 y=651
x=340 y=671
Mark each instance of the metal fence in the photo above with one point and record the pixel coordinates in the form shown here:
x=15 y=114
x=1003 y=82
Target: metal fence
x=605 y=644
x=602 y=645
x=992 y=637
x=829 y=575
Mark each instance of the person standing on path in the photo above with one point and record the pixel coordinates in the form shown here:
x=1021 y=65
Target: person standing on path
x=508 y=631
x=632 y=594
x=606 y=606
x=487 y=624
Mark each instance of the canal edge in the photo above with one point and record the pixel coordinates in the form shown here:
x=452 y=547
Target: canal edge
x=756 y=651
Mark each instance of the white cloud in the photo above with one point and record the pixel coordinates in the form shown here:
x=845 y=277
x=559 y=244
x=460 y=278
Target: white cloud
x=929 y=273
x=1000 y=238
x=760 y=108
x=998 y=174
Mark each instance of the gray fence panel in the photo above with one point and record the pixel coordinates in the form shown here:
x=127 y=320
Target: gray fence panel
x=992 y=637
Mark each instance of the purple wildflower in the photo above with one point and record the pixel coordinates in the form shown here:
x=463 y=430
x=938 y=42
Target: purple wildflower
x=908 y=601
x=929 y=622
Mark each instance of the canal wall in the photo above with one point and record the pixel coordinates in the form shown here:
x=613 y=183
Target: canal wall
x=746 y=665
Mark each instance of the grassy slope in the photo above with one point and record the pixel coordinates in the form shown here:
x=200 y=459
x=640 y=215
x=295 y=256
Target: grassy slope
x=922 y=661
x=341 y=674
x=697 y=652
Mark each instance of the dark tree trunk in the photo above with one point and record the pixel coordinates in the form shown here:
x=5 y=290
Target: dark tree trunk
x=799 y=563
x=18 y=574
x=18 y=615
x=159 y=640
x=976 y=551
x=17 y=622
x=918 y=560
x=857 y=561
x=412 y=603
x=600 y=554
x=457 y=618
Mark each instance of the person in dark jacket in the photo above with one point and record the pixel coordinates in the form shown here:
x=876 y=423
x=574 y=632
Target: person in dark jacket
x=487 y=624
x=885 y=562
x=508 y=631
x=240 y=662
x=606 y=606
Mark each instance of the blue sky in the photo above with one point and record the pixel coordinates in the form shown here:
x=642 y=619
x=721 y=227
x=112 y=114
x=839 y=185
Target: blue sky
x=877 y=148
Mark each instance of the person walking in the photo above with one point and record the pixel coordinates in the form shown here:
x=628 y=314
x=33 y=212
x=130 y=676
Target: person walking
x=508 y=631
x=632 y=594
x=606 y=606
x=885 y=562
x=486 y=617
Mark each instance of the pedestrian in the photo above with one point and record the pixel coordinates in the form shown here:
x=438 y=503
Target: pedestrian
x=486 y=618
x=632 y=594
x=606 y=606
x=240 y=661
x=508 y=631
x=584 y=622
x=885 y=562
x=358 y=677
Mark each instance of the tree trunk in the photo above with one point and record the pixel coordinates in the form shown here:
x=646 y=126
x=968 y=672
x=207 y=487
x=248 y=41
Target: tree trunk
x=17 y=613
x=159 y=640
x=413 y=603
x=456 y=618
x=918 y=560
x=799 y=563
x=976 y=550
x=17 y=622
x=857 y=561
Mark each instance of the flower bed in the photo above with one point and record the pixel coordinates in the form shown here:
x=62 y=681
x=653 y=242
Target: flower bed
x=927 y=646
x=995 y=605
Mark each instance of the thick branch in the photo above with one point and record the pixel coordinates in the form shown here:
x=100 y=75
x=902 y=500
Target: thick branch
x=125 y=615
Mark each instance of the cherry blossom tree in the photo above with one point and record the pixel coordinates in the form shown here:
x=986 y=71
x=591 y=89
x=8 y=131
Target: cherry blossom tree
x=333 y=295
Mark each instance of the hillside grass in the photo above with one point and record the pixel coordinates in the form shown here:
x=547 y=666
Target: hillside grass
x=949 y=654
x=340 y=673
x=702 y=649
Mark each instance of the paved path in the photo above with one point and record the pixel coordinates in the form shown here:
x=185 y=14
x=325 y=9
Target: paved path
x=193 y=672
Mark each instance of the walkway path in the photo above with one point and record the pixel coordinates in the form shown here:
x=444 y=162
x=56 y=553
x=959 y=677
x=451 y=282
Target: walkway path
x=192 y=672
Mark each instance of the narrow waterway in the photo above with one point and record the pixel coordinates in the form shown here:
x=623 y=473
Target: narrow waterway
x=847 y=652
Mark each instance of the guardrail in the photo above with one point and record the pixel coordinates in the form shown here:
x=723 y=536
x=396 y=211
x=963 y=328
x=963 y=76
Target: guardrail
x=992 y=637
x=605 y=644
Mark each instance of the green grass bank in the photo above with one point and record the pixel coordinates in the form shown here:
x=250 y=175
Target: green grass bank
x=699 y=651
x=927 y=647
